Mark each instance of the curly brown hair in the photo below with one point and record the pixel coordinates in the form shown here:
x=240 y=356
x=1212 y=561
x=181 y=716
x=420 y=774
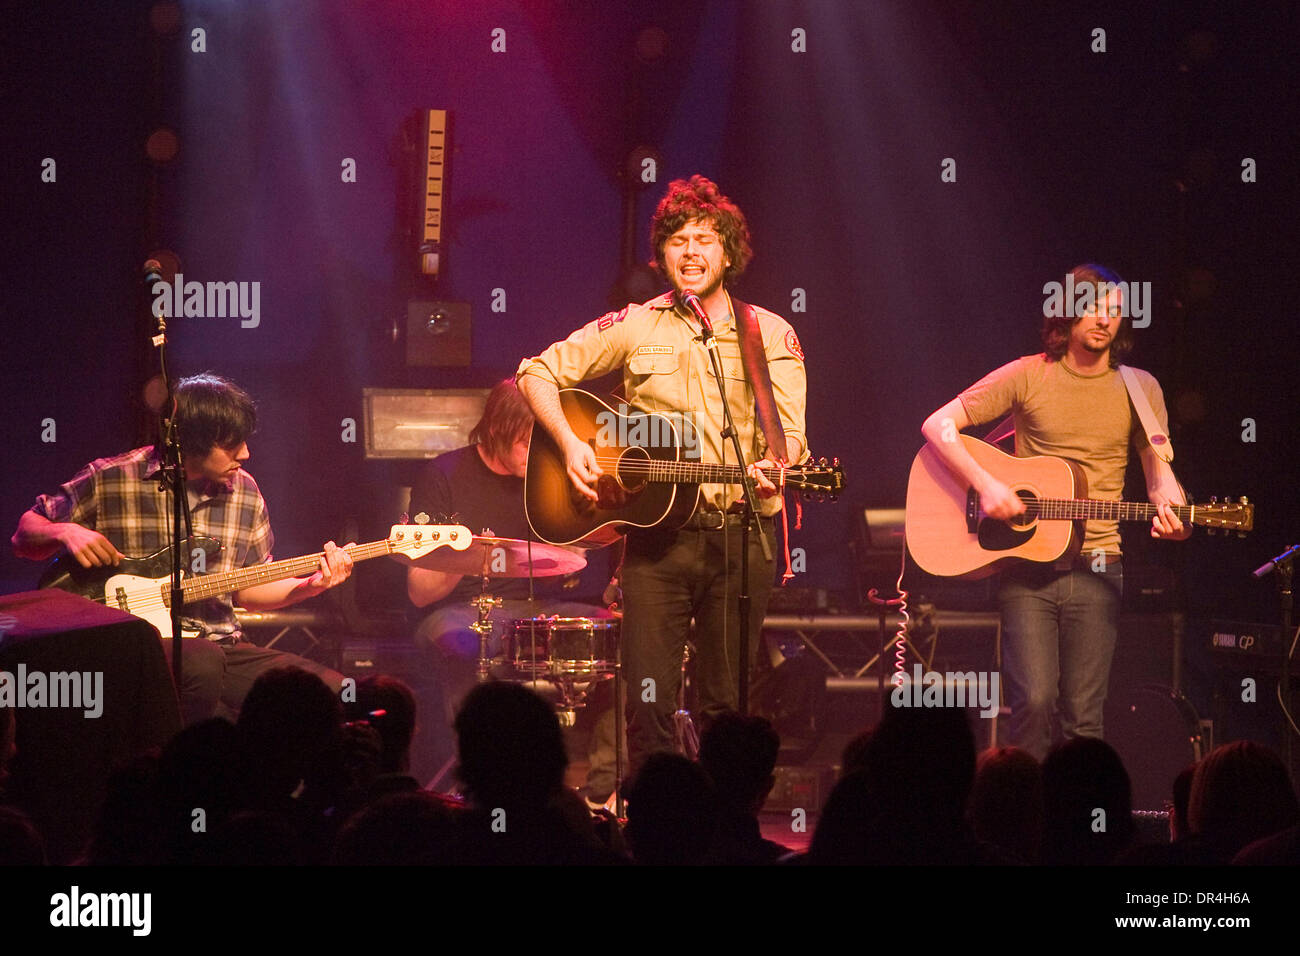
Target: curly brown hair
x=699 y=198
x=1056 y=328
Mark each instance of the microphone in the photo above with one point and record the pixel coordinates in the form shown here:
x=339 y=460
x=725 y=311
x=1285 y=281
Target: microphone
x=152 y=272
x=1264 y=570
x=692 y=302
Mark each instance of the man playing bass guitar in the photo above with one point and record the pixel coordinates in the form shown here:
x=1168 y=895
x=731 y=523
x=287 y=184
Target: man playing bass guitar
x=114 y=506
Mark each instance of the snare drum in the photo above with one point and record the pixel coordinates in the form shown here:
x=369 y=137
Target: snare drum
x=577 y=646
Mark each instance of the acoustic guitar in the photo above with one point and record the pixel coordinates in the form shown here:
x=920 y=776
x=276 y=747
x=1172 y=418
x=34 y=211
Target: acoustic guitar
x=950 y=536
x=647 y=481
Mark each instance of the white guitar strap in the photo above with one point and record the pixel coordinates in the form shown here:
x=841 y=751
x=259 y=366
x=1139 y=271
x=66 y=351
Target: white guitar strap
x=1159 y=440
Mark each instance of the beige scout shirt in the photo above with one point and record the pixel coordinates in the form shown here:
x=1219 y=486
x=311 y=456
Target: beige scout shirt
x=666 y=369
x=1085 y=418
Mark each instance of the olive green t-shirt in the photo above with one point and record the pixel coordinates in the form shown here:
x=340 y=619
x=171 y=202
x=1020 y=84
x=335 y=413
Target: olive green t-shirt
x=1085 y=418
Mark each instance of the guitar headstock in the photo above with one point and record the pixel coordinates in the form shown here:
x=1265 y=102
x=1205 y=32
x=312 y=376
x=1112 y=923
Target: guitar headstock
x=417 y=540
x=818 y=480
x=1234 y=516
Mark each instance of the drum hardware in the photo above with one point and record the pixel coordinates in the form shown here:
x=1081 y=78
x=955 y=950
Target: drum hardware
x=484 y=603
x=568 y=653
x=686 y=737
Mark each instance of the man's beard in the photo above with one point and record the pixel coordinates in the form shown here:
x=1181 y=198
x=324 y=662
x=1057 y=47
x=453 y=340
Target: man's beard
x=703 y=292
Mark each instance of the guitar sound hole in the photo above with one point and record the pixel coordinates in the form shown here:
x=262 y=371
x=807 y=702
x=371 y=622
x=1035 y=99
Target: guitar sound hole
x=1030 y=514
x=631 y=473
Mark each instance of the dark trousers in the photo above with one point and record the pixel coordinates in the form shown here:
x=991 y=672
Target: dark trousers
x=668 y=579
x=215 y=678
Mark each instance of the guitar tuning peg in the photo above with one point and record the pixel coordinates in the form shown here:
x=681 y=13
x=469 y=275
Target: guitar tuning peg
x=821 y=462
x=1241 y=534
x=1211 y=530
x=1243 y=500
x=404 y=518
x=1214 y=499
x=835 y=463
x=422 y=518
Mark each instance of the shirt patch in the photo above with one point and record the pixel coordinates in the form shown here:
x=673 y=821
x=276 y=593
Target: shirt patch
x=655 y=350
x=607 y=320
x=792 y=345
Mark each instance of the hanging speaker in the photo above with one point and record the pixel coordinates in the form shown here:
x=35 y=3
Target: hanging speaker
x=437 y=333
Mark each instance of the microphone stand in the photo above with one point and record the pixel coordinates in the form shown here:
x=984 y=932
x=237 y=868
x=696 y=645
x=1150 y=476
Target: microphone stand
x=1283 y=564
x=173 y=471
x=749 y=516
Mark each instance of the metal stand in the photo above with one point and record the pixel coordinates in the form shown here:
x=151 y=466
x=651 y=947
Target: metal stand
x=750 y=516
x=485 y=604
x=685 y=735
x=1284 y=565
x=173 y=479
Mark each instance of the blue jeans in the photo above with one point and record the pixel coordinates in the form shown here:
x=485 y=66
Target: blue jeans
x=1058 y=637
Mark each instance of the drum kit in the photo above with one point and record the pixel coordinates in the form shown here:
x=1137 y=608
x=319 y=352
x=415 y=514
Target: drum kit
x=563 y=658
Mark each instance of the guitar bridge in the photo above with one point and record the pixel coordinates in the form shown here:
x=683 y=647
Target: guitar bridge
x=122 y=601
x=972 y=511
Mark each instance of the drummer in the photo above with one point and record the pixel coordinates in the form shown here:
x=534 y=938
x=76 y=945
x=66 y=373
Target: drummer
x=481 y=486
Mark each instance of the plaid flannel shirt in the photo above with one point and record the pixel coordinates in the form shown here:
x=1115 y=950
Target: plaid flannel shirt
x=120 y=498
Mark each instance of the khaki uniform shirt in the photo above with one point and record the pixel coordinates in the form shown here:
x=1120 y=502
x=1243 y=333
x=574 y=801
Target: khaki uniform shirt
x=666 y=369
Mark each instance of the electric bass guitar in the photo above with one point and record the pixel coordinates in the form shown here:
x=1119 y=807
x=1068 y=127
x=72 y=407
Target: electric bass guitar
x=142 y=586
x=647 y=482
x=949 y=536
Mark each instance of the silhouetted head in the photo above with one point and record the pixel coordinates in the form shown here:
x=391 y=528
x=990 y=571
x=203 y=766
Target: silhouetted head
x=1240 y=793
x=1087 y=804
x=511 y=747
x=388 y=705
x=1006 y=801
x=289 y=724
x=671 y=812
x=739 y=754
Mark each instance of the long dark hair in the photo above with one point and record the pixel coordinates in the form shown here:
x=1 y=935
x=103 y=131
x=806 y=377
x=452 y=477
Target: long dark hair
x=1056 y=328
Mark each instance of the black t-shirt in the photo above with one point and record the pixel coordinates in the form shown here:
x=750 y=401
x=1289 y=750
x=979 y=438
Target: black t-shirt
x=460 y=486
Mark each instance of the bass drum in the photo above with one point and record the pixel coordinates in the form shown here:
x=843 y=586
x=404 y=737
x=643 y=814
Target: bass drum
x=1157 y=733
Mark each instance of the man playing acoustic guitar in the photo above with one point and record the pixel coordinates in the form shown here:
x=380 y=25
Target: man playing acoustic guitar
x=1059 y=621
x=701 y=243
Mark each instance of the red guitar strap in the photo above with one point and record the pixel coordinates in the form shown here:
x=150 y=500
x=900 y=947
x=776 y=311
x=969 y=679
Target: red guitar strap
x=754 y=358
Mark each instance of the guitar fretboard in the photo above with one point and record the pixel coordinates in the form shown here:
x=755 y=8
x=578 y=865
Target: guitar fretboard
x=212 y=585
x=1073 y=509
x=699 y=472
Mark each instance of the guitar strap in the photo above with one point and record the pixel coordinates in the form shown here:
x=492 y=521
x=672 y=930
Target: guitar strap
x=1157 y=437
x=754 y=359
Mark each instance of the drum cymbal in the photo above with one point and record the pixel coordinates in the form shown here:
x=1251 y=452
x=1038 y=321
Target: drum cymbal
x=503 y=558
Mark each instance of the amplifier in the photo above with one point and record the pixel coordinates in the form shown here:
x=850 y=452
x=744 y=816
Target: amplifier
x=1252 y=645
x=800 y=788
